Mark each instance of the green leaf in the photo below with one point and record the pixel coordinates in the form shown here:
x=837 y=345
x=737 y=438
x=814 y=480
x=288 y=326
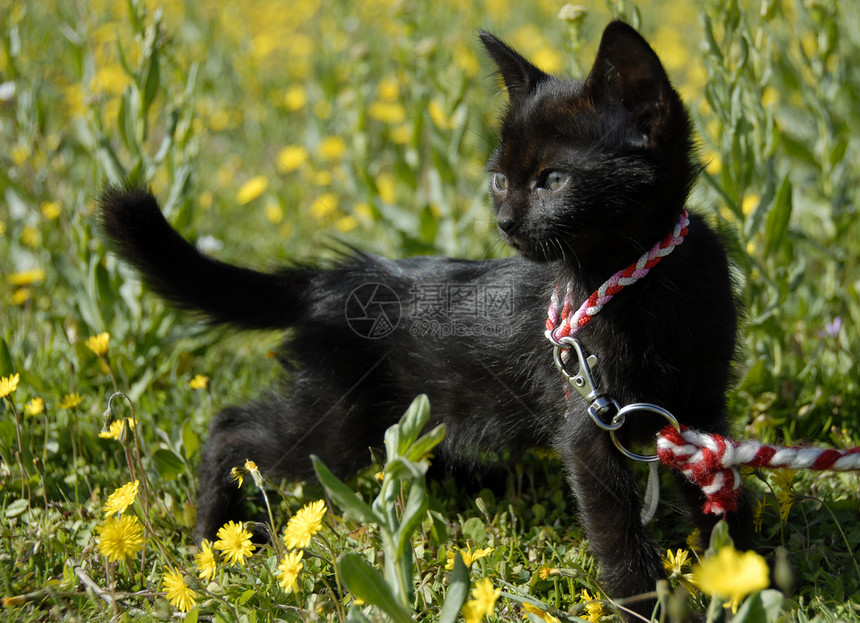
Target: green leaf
x=244 y=597
x=412 y=422
x=761 y=607
x=458 y=592
x=190 y=440
x=7 y=365
x=776 y=225
x=366 y=583
x=720 y=538
x=413 y=516
x=342 y=495
x=18 y=507
x=426 y=443
x=167 y=464
x=355 y=615
x=474 y=529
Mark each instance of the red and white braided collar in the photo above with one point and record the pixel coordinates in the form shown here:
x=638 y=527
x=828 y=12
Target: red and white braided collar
x=562 y=323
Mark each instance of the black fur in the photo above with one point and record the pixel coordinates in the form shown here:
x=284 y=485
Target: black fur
x=587 y=176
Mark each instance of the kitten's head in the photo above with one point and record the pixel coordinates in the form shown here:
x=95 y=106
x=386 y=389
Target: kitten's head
x=592 y=169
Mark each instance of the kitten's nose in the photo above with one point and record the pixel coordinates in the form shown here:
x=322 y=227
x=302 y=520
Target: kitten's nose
x=507 y=224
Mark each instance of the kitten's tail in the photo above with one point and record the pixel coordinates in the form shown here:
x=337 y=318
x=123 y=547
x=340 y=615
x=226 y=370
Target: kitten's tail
x=131 y=219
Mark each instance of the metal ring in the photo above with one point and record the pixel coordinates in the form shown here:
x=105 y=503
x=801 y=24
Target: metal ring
x=641 y=406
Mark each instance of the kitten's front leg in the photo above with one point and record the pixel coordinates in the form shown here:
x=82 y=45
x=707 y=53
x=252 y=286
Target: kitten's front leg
x=609 y=505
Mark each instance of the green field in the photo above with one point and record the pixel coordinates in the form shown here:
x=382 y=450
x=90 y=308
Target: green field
x=280 y=131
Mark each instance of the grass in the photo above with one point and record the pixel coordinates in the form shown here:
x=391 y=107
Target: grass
x=273 y=130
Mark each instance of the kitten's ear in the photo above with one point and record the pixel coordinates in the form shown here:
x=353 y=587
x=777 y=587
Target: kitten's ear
x=519 y=75
x=628 y=72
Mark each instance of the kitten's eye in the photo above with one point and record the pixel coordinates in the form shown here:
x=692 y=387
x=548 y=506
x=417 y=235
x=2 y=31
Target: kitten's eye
x=556 y=180
x=500 y=182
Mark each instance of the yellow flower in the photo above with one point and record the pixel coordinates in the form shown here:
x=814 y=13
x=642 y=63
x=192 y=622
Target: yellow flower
x=545 y=572
x=50 y=210
x=121 y=499
x=387 y=112
x=177 y=591
x=70 y=401
x=252 y=189
x=346 y=223
x=120 y=537
x=295 y=98
x=114 y=430
x=31 y=237
x=234 y=542
x=332 y=148
x=784 y=495
x=467 y=555
x=304 y=524
x=35 y=406
x=98 y=343
x=291 y=158
x=26 y=277
x=274 y=212
x=204 y=561
x=543 y=614
x=438 y=115
x=674 y=564
x=199 y=382
x=484 y=601
x=472 y=612
x=388 y=89
x=324 y=205
x=732 y=575
x=593 y=607
x=386 y=188
x=21 y=296
x=8 y=384
x=749 y=204
x=288 y=570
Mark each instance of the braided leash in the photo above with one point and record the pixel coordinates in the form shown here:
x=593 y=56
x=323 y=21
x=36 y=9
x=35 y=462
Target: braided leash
x=710 y=461
x=560 y=323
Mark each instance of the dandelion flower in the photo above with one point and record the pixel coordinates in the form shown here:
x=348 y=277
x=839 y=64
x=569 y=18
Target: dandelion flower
x=238 y=473
x=304 y=524
x=468 y=556
x=199 y=382
x=484 y=601
x=545 y=572
x=472 y=612
x=291 y=158
x=8 y=384
x=288 y=570
x=593 y=608
x=50 y=210
x=26 y=277
x=732 y=575
x=177 y=591
x=115 y=428
x=35 y=406
x=205 y=562
x=70 y=401
x=98 y=343
x=121 y=499
x=543 y=614
x=234 y=542
x=120 y=537
x=252 y=189
x=675 y=563
x=332 y=148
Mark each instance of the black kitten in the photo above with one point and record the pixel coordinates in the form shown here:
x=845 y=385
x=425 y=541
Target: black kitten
x=587 y=176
